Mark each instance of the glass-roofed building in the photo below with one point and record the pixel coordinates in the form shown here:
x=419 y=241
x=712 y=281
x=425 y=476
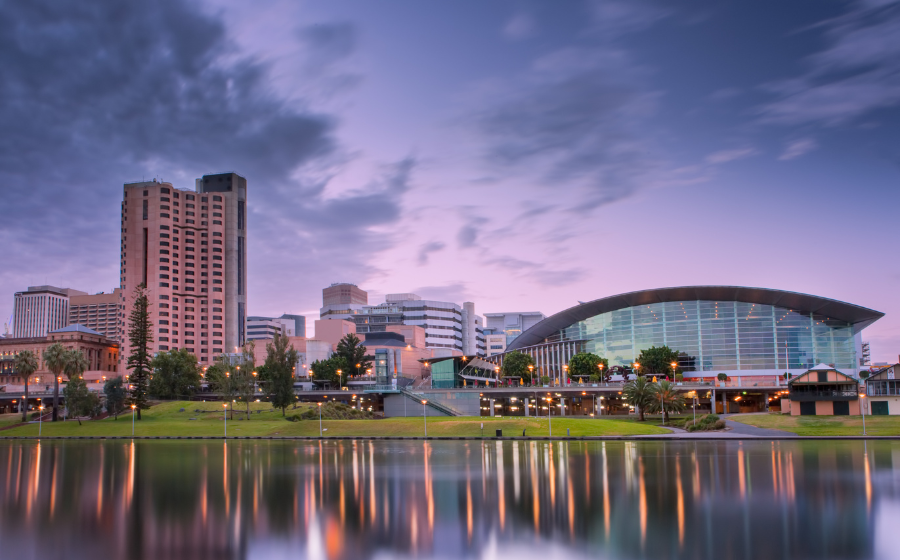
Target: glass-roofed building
x=716 y=329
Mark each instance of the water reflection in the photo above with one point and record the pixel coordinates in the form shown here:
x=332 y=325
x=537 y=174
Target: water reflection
x=363 y=499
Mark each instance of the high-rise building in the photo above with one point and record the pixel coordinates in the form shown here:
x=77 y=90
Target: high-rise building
x=259 y=328
x=41 y=309
x=98 y=312
x=512 y=324
x=190 y=250
x=342 y=300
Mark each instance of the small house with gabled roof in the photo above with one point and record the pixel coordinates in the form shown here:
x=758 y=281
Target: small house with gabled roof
x=883 y=391
x=823 y=391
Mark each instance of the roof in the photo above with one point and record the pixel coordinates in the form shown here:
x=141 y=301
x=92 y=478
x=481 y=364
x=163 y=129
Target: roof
x=858 y=317
x=818 y=368
x=884 y=373
x=77 y=328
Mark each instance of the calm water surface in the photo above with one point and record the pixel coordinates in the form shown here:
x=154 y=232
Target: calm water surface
x=487 y=500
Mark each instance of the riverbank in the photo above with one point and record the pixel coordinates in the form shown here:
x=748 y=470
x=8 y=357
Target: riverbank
x=206 y=419
x=822 y=425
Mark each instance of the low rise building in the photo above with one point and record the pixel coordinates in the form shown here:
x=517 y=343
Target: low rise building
x=822 y=391
x=883 y=391
x=512 y=324
x=259 y=328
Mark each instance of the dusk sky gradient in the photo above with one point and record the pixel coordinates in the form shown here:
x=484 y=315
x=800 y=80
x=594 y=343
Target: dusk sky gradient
x=523 y=155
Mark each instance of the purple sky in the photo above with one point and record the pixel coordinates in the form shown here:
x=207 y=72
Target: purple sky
x=522 y=155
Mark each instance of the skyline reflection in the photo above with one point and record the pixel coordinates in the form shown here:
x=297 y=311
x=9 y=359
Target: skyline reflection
x=523 y=499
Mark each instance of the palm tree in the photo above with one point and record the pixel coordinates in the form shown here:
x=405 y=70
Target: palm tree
x=76 y=364
x=26 y=365
x=639 y=394
x=55 y=358
x=666 y=399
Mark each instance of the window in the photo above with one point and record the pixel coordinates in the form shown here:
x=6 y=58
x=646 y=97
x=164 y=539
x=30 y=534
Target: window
x=164 y=190
x=217 y=198
x=215 y=222
x=145 y=206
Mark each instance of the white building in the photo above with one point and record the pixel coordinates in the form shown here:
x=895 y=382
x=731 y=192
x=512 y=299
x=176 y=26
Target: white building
x=512 y=324
x=41 y=309
x=259 y=328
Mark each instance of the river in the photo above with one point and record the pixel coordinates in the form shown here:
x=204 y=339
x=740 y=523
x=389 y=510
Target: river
x=449 y=499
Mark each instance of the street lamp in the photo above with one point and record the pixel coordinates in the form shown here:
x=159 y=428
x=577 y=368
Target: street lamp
x=225 y=417
x=132 y=419
x=320 y=419
x=425 y=416
x=254 y=383
x=357 y=369
x=549 y=420
x=862 y=410
x=600 y=367
x=41 y=419
x=531 y=373
x=340 y=383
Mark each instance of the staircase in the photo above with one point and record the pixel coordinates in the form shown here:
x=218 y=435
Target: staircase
x=418 y=397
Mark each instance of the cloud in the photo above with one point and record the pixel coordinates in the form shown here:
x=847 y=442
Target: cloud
x=620 y=17
x=797 y=148
x=456 y=292
x=107 y=93
x=724 y=94
x=467 y=236
x=426 y=249
x=520 y=26
x=725 y=156
x=856 y=74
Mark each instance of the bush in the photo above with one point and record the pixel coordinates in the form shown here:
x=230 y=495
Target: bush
x=722 y=377
x=545 y=380
x=331 y=411
x=679 y=378
x=595 y=378
x=706 y=423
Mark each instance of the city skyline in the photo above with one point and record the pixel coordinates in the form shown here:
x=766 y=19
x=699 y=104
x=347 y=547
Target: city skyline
x=555 y=155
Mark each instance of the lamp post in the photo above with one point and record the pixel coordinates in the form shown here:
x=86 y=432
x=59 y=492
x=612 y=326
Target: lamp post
x=320 y=419
x=357 y=369
x=254 y=383
x=600 y=367
x=425 y=416
x=549 y=420
x=225 y=417
x=132 y=419
x=340 y=383
x=41 y=419
x=862 y=410
x=674 y=365
x=531 y=373
x=566 y=369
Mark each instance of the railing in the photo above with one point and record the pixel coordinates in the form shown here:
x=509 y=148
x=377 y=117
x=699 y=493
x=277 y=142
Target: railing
x=820 y=395
x=433 y=404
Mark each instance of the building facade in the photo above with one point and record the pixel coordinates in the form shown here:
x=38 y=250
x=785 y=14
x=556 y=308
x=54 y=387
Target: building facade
x=259 y=328
x=98 y=312
x=40 y=310
x=189 y=250
x=883 y=391
x=447 y=325
x=512 y=324
x=342 y=300
x=738 y=331
x=494 y=342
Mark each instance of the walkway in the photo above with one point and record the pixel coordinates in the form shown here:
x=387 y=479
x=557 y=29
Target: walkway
x=736 y=430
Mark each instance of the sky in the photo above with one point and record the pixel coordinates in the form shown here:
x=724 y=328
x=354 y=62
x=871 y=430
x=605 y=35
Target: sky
x=524 y=155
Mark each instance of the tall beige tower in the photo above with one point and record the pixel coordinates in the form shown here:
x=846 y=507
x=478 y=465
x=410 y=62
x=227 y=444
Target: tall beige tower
x=189 y=249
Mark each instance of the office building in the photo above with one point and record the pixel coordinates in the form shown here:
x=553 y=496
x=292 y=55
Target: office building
x=752 y=334
x=190 y=250
x=494 y=342
x=342 y=300
x=40 y=310
x=512 y=324
x=259 y=328
x=98 y=312
x=458 y=329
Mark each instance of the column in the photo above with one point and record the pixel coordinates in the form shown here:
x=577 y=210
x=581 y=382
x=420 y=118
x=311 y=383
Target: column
x=562 y=406
x=492 y=406
x=527 y=413
x=724 y=404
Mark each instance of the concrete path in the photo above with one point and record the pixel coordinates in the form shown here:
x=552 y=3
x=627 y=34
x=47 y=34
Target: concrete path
x=736 y=430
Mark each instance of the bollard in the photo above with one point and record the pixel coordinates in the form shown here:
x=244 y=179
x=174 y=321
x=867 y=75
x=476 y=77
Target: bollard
x=499 y=433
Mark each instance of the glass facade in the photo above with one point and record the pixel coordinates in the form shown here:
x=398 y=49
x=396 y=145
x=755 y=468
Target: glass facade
x=443 y=374
x=718 y=336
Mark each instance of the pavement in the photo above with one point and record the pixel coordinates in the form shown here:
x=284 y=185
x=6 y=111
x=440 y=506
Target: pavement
x=736 y=430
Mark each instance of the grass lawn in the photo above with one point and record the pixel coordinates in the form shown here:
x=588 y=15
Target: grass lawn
x=166 y=420
x=10 y=419
x=824 y=425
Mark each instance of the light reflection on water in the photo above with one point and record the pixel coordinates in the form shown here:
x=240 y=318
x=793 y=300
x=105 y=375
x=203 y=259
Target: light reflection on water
x=477 y=499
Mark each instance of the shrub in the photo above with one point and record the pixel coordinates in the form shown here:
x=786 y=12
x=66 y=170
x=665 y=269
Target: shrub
x=595 y=378
x=679 y=378
x=706 y=423
x=722 y=377
x=331 y=411
x=545 y=380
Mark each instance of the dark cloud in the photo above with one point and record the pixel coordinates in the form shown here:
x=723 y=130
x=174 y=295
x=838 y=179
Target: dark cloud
x=101 y=93
x=857 y=73
x=574 y=124
x=426 y=249
x=467 y=236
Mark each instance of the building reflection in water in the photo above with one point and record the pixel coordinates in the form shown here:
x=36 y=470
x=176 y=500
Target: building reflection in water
x=524 y=499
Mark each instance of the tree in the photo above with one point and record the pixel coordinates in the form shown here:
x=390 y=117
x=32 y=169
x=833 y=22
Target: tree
x=639 y=393
x=221 y=382
x=79 y=399
x=724 y=376
x=243 y=376
x=26 y=365
x=115 y=395
x=354 y=353
x=55 y=358
x=515 y=364
x=76 y=364
x=327 y=370
x=140 y=335
x=657 y=360
x=666 y=399
x=280 y=363
x=585 y=364
x=176 y=374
